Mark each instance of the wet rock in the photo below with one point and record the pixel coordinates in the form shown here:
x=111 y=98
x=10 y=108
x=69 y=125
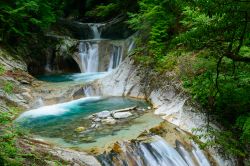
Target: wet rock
x=103 y=114
x=121 y=115
x=141 y=109
x=96 y=119
x=25 y=82
x=27 y=96
x=95 y=125
x=80 y=129
x=109 y=121
x=124 y=109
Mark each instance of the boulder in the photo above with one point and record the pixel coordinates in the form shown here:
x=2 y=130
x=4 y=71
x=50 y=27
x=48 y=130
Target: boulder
x=103 y=114
x=109 y=121
x=121 y=115
x=96 y=119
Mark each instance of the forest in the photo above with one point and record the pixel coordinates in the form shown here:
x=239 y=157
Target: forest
x=205 y=43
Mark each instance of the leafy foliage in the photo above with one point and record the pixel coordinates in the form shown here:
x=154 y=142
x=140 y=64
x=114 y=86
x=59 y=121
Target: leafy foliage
x=2 y=70
x=207 y=44
x=9 y=154
x=21 y=18
x=8 y=87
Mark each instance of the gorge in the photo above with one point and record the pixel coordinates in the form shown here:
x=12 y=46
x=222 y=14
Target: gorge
x=123 y=83
x=108 y=81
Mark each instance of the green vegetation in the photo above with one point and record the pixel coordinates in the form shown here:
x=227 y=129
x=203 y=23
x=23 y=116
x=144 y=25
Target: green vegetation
x=2 y=70
x=24 y=18
x=8 y=87
x=9 y=154
x=207 y=44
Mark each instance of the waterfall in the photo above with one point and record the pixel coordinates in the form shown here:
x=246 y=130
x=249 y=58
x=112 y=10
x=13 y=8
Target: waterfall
x=156 y=152
x=101 y=55
x=88 y=53
x=184 y=153
x=116 y=57
x=88 y=91
x=96 y=30
x=38 y=103
x=199 y=155
x=131 y=46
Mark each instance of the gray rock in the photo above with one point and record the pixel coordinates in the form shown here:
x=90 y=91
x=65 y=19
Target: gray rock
x=121 y=115
x=124 y=109
x=97 y=120
x=109 y=121
x=103 y=114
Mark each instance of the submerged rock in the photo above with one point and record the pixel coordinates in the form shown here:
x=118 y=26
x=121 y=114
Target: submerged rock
x=80 y=129
x=121 y=115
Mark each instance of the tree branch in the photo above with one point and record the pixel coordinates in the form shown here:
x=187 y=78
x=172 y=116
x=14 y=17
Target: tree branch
x=237 y=58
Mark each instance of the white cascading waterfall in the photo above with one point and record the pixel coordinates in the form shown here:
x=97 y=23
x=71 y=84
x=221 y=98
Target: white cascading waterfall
x=116 y=57
x=89 y=56
x=154 y=153
x=92 y=51
x=96 y=30
x=131 y=46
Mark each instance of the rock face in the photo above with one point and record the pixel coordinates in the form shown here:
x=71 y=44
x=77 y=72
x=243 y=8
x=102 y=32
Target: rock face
x=114 y=29
x=15 y=78
x=69 y=156
x=168 y=101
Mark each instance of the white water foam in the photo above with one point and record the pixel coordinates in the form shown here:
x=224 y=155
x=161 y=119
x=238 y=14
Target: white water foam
x=55 y=110
x=89 y=55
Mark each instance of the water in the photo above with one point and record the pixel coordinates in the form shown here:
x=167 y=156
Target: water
x=89 y=56
x=83 y=77
x=57 y=123
x=96 y=29
x=99 y=56
x=151 y=151
x=116 y=57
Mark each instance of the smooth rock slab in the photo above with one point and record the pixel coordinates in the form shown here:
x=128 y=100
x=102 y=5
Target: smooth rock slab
x=122 y=115
x=103 y=114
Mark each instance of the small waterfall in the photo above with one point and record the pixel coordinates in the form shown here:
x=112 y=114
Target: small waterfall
x=48 y=65
x=151 y=153
x=199 y=155
x=163 y=154
x=96 y=30
x=184 y=153
x=131 y=46
x=88 y=91
x=116 y=57
x=88 y=53
x=38 y=103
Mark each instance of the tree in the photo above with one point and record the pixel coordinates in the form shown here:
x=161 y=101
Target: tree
x=212 y=37
x=23 y=17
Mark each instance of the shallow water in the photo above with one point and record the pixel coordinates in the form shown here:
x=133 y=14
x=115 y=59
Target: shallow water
x=84 y=77
x=57 y=123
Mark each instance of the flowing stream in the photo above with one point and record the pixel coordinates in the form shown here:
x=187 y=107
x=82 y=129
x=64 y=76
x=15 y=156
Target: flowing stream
x=71 y=124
